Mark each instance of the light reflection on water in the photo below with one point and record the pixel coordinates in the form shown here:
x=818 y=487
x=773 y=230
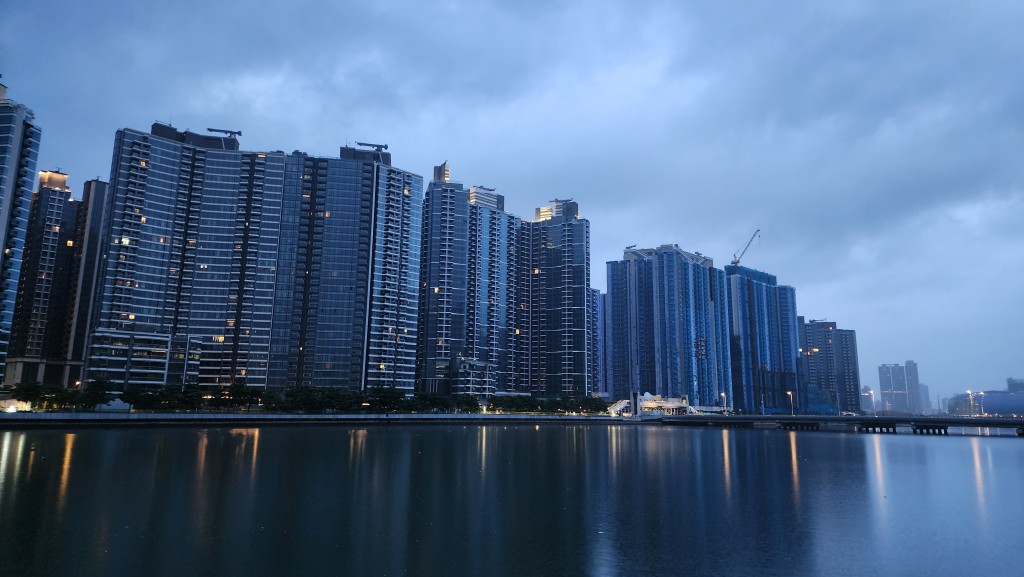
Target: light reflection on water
x=505 y=500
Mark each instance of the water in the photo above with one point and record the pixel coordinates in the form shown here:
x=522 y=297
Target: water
x=516 y=500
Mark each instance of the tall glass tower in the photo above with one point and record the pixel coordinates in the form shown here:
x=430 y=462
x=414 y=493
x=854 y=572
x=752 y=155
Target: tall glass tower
x=347 y=273
x=764 y=341
x=671 y=325
x=19 y=150
x=191 y=235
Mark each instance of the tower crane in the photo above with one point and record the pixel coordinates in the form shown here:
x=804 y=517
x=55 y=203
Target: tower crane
x=377 y=147
x=229 y=133
x=736 y=259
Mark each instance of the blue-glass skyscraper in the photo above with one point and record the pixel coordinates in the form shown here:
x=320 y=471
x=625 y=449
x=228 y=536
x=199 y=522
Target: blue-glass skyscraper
x=630 y=336
x=671 y=327
x=763 y=341
x=347 y=294
x=19 y=150
x=191 y=229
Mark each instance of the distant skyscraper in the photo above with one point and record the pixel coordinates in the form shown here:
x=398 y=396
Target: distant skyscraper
x=40 y=334
x=1015 y=385
x=892 y=384
x=671 y=328
x=348 y=277
x=558 y=241
x=829 y=364
x=764 y=341
x=190 y=242
x=19 y=150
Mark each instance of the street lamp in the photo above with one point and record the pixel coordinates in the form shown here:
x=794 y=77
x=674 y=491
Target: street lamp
x=970 y=402
x=723 y=402
x=792 y=411
x=982 y=402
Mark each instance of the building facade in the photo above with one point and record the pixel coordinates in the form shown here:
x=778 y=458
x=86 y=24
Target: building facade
x=42 y=314
x=19 y=151
x=558 y=289
x=347 y=293
x=829 y=365
x=763 y=342
x=670 y=327
x=472 y=317
x=190 y=238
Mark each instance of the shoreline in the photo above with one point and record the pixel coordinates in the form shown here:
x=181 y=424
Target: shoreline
x=888 y=425
x=28 y=420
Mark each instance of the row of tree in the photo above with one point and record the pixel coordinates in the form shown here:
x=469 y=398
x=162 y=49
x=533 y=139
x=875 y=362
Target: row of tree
x=298 y=399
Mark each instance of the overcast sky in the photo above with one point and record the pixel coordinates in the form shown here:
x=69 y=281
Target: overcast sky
x=878 y=147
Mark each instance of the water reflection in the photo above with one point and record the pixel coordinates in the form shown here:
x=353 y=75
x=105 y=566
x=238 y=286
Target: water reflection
x=512 y=500
x=69 y=444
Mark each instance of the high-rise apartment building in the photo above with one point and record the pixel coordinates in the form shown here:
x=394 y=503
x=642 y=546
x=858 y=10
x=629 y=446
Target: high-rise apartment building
x=1014 y=385
x=630 y=335
x=42 y=315
x=472 y=316
x=763 y=342
x=901 y=389
x=86 y=270
x=258 y=268
x=19 y=150
x=496 y=304
x=191 y=233
x=829 y=365
x=444 y=270
x=345 y=312
x=670 y=326
x=558 y=285
x=596 y=354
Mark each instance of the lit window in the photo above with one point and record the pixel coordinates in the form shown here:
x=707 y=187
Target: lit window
x=71 y=243
x=56 y=228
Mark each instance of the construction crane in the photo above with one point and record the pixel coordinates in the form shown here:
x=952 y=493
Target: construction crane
x=230 y=133
x=377 y=147
x=736 y=259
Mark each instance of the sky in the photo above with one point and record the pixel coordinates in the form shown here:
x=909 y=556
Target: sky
x=876 y=145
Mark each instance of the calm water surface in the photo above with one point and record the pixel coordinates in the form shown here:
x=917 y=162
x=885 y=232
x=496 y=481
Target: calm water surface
x=516 y=500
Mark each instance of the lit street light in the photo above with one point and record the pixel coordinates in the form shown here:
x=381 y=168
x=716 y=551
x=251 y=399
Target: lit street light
x=792 y=411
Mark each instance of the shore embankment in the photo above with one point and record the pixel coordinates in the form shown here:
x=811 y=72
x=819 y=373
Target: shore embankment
x=24 y=420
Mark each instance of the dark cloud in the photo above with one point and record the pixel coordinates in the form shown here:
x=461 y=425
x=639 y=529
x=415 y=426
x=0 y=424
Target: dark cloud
x=875 y=144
